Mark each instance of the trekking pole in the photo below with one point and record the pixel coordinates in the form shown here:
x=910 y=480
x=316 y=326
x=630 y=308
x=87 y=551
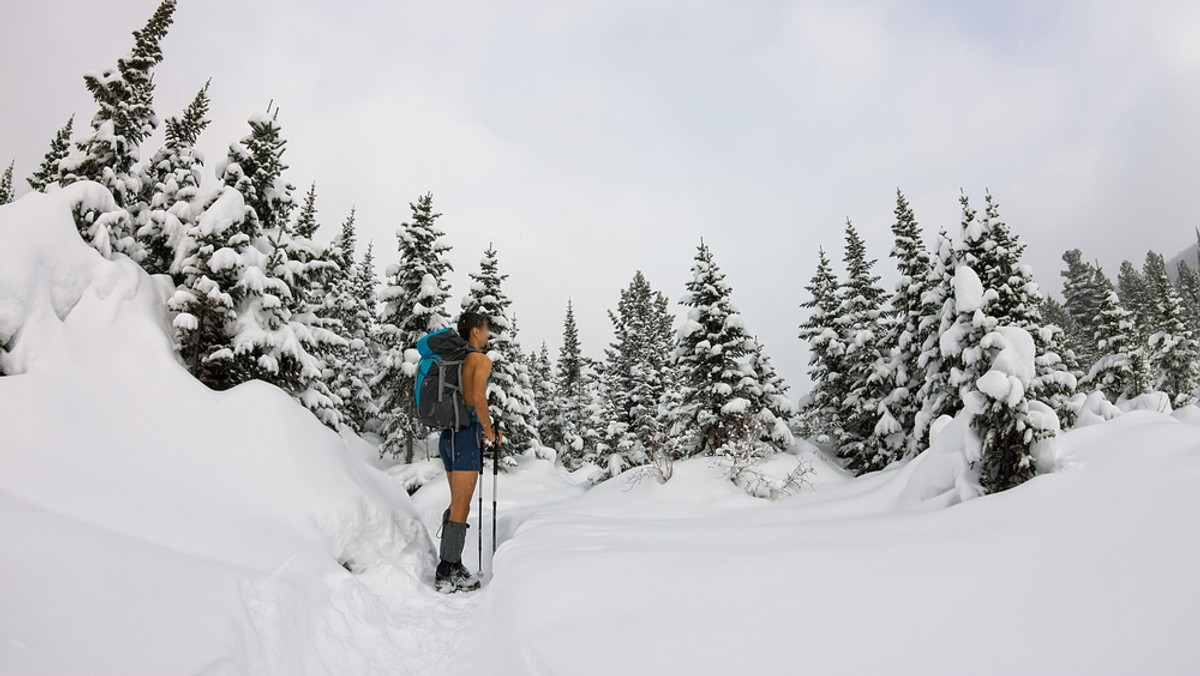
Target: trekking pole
x=481 y=512
x=495 y=480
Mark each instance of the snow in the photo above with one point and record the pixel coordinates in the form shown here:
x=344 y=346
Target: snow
x=1012 y=368
x=156 y=526
x=968 y=290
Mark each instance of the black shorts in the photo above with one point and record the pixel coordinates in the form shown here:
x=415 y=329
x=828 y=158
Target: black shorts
x=462 y=449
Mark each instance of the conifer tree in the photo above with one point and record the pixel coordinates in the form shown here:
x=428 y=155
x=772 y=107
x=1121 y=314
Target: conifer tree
x=1172 y=348
x=1133 y=292
x=172 y=190
x=826 y=361
x=48 y=171
x=776 y=409
x=858 y=323
x=571 y=400
x=715 y=411
x=901 y=373
x=124 y=119
x=510 y=396
x=354 y=366
x=1188 y=286
x=541 y=372
x=635 y=367
x=414 y=299
x=6 y=185
x=235 y=316
x=937 y=394
x=1120 y=371
x=1082 y=303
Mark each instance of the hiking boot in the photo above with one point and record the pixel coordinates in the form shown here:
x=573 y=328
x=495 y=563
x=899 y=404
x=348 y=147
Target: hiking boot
x=453 y=576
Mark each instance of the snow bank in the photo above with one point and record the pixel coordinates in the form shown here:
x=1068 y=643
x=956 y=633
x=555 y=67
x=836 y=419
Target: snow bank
x=156 y=526
x=1087 y=570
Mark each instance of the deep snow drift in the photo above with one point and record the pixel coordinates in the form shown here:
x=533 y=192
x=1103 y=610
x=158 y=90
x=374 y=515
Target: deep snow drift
x=151 y=525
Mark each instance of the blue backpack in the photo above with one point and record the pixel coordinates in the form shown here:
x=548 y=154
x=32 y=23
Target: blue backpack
x=438 y=390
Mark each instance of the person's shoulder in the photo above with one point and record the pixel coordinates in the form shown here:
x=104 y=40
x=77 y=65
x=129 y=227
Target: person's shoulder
x=478 y=357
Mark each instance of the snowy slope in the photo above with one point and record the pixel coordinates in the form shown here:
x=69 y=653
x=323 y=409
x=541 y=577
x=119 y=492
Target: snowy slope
x=150 y=524
x=1088 y=570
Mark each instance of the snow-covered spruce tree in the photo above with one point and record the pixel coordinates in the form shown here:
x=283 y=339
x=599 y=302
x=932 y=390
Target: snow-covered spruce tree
x=1172 y=348
x=961 y=340
x=901 y=373
x=599 y=428
x=335 y=300
x=1133 y=292
x=776 y=409
x=171 y=186
x=60 y=146
x=859 y=325
x=541 y=374
x=125 y=118
x=1120 y=371
x=510 y=396
x=1054 y=312
x=234 y=318
x=570 y=396
x=1187 y=283
x=352 y=382
x=1007 y=419
x=1082 y=303
x=1019 y=300
x=937 y=395
x=6 y=185
x=635 y=367
x=715 y=415
x=819 y=417
x=414 y=304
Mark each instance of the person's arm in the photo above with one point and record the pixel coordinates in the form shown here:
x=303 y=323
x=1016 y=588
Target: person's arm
x=475 y=372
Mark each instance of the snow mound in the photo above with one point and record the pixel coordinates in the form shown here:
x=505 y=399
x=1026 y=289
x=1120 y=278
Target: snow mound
x=157 y=526
x=1089 y=569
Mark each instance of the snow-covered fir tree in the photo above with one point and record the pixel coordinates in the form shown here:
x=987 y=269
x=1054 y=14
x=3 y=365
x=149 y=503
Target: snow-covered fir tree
x=171 y=183
x=235 y=318
x=776 y=410
x=48 y=171
x=510 y=396
x=1120 y=371
x=716 y=412
x=414 y=304
x=826 y=368
x=6 y=184
x=353 y=296
x=937 y=395
x=1172 y=348
x=1018 y=303
x=1082 y=304
x=635 y=369
x=901 y=373
x=1133 y=292
x=541 y=374
x=859 y=326
x=124 y=119
x=1007 y=420
x=1187 y=282
x=570 y=396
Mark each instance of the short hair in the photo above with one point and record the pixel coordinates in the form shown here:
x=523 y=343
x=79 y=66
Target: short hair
x=470 y=320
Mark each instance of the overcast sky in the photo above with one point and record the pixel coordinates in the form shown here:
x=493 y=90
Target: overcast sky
x=588 y=140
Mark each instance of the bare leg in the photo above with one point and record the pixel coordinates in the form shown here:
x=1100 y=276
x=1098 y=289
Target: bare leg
x=462 y=487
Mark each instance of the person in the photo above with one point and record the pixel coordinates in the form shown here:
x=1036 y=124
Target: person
x=462 y=453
